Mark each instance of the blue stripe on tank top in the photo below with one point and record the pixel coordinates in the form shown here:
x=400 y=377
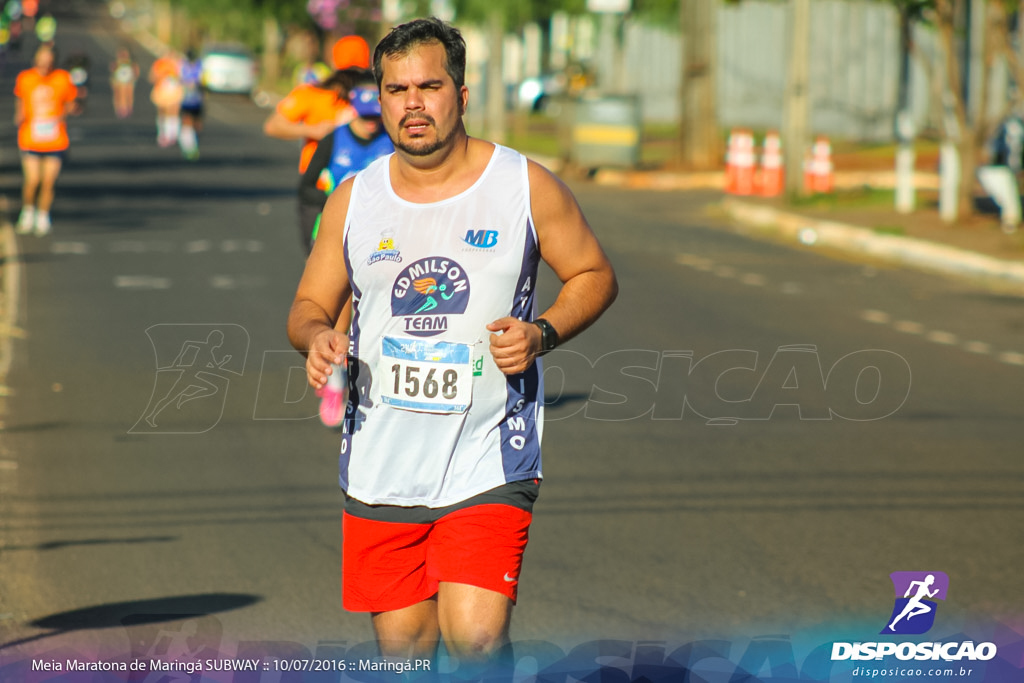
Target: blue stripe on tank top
x=520 y=436
x=349 y=426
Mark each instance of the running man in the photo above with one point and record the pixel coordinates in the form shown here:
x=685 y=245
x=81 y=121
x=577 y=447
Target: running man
x=167 y=94
x=441 y=467
x=45 y=97
x=124 y=72
x=339 y=156
x=191 y=70
x=915 y=606
x=310 y=112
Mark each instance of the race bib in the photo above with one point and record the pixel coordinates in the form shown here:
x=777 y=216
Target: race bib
x=45 y=130
x=426 y=376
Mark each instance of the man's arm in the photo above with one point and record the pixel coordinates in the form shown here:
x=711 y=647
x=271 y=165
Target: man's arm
x=569 y=246
x=322 y=294
x=280 y=126
x=309 y=192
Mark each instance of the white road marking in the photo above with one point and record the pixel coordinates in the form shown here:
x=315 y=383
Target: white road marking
x=78 y=248
x=725 y=271
x=908 y=327
x=792 y=288
x=753 y=279
x=198 y=246
x=140 y=247
x=872 y=316
x=939 y=337
x=978 y=347
x=1011 y=357
x=141 y=282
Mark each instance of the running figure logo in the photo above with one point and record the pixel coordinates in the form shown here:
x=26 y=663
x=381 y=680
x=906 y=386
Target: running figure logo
x=191 y=385
x=914 y=612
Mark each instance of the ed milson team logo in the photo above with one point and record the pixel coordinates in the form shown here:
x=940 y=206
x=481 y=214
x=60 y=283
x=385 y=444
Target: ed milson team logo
x=914 y=610
x=427 y=292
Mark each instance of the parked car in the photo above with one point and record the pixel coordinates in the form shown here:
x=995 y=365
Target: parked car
x=228 y=68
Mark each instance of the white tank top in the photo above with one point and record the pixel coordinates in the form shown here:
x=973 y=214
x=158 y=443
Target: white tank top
x=431 y=420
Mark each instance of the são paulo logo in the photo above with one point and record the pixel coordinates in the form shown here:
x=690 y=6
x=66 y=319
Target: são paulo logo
x=427 y=293
x=386 y=250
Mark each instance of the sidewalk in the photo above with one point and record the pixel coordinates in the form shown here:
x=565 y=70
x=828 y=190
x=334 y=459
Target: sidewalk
x=860 y=219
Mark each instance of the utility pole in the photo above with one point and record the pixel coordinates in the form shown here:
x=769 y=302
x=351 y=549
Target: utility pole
x=697 y=145
x=796 y=112
x=496 y=73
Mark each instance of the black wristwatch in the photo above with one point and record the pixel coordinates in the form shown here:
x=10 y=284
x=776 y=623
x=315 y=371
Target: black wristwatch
x=548 y=335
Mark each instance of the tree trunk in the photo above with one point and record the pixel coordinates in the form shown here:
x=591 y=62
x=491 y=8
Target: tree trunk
x=795 y=122
x=698 y=141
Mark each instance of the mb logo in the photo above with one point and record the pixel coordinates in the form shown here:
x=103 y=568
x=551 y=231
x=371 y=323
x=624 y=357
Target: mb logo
x=194 y=366
x=482 y=239
x=914 y=611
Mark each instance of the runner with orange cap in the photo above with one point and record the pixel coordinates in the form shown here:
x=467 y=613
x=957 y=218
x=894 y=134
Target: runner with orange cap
x=310 y=112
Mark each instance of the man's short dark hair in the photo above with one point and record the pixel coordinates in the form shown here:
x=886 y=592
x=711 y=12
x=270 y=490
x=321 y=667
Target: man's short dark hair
x=344 y=80
x=402 y=39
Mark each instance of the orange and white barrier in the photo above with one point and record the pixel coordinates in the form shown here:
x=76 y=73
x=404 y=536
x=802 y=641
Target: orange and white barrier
x=819 y=172
x=740 y=162
x=771 y=177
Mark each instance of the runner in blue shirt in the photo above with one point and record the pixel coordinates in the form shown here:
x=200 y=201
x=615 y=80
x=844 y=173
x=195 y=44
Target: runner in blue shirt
x=340 y=155
x=191 y=106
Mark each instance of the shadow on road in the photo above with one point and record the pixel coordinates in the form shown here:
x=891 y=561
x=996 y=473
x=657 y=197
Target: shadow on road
x=136 y=612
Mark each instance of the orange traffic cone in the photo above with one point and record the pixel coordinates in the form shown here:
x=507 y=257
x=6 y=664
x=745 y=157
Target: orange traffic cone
x=739 y=163
x=772 y=177
x=818 y=169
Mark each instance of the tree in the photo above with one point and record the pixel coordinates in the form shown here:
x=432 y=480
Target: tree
x=969 y=128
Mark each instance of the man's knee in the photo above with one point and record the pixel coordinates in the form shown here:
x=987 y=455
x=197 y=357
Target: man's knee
x=476 y=640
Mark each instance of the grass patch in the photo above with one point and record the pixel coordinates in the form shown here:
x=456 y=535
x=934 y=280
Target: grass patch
x=859 y=198
x=896 y=230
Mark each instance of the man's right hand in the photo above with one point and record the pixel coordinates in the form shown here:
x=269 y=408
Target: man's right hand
x=329 y=347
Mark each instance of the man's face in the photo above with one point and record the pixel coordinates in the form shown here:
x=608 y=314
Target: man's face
x=420 y=105
x=44 y=61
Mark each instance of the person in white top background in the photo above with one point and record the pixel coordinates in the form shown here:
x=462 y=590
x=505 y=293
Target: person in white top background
x=438 y=246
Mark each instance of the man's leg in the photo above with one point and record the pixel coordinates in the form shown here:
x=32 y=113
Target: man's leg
x=50 y=170
x=408 y=633
x=32 y=171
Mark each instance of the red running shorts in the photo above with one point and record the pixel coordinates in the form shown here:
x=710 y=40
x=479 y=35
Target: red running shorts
x=391 y=565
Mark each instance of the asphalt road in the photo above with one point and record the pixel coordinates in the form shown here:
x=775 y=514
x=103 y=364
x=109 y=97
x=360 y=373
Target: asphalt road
x=747 y=444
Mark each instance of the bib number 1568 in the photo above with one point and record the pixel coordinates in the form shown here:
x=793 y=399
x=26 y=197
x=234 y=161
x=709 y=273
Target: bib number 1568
x=430 y=385
x=427 y=376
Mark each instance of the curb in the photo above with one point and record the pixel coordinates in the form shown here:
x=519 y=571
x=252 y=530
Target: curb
x=921 y=254
x=715 y=180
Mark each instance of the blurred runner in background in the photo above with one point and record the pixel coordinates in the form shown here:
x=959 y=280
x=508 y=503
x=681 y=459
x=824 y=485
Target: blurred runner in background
x=167 y=94
x=191 y=105
x=311 y=71
x=124 y=72
x=45 y=96
x=341 y=154
x=310 y=112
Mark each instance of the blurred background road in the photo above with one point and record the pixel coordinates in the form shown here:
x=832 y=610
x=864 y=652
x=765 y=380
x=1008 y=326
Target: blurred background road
x=748 y=443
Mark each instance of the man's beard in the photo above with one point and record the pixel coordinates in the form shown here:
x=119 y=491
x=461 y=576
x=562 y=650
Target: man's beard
x=425 y=149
